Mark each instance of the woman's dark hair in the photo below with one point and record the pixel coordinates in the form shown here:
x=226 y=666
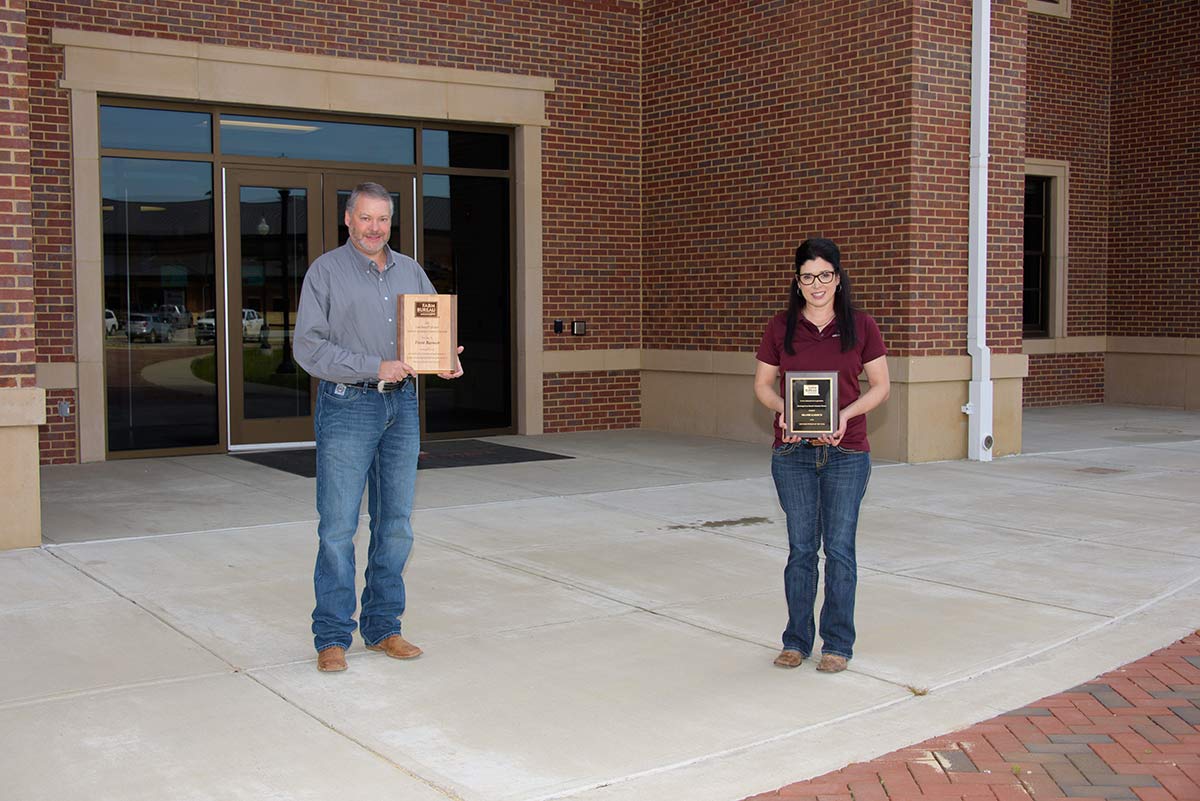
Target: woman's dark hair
x=842 y=305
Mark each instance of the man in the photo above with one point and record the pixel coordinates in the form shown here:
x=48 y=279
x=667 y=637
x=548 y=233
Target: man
x=366 y=425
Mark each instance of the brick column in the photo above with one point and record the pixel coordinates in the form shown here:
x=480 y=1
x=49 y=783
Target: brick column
x=22 y=403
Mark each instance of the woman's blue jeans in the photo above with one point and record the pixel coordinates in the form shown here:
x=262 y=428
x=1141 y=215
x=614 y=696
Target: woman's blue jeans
x=372 y=439
x=820 y=489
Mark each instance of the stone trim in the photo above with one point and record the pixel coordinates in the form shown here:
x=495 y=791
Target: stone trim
x=58 y=375
x=1113 y=344
x=904 y=369
x=22 y=406
x=134 y=65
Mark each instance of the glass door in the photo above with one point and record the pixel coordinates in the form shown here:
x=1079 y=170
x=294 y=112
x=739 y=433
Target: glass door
x=338 y=187
x=274 y=232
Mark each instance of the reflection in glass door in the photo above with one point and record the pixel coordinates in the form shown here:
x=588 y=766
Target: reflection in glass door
x=401 y=187
x=274 y=232
x=161 y=388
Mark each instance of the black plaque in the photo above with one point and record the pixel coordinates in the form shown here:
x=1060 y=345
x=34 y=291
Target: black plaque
x=811 y=403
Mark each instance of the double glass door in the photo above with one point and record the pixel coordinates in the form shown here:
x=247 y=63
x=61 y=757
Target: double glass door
x=277 y=222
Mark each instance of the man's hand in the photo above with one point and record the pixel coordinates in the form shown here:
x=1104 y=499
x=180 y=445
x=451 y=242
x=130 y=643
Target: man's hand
x=458 y=369
x=394 y=371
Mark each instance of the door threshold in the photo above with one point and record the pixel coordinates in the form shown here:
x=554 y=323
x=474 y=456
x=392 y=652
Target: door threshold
x=271 y=446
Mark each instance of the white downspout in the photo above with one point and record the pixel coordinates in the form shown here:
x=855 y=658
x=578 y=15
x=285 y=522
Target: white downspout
x=979 y=408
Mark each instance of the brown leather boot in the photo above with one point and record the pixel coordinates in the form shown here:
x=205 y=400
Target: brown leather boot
x=789 y=658
x=332 y=659
x=831 y=663
x=396 y=647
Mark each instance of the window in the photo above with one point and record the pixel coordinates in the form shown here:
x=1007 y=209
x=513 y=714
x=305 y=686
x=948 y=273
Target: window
x=131 y=128
x=1054 y=8
x=1045 y=228
x=466 y=251
x=315 y=140
x=485 y=151
x=164 y=174
x=159 y=260
x=1036 y=289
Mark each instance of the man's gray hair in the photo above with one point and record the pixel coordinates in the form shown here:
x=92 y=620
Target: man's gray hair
x=370 y=189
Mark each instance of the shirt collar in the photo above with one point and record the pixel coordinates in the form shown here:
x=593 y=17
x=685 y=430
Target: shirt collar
x=365 y=263
x=829 y=330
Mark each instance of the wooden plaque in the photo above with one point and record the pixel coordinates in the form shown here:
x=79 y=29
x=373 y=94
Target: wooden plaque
x=811 y=402
x=427 y=332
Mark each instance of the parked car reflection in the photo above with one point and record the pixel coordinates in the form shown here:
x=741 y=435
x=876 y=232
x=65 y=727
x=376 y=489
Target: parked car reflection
x=206 y=327
x=150 y=327
x=254 y=326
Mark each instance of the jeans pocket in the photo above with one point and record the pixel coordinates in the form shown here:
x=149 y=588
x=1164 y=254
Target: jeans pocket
x=848 y=451
x=785 y=448
x=331 y=403
x=342 y=393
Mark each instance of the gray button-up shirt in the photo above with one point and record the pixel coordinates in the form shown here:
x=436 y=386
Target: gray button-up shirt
x=346 y=324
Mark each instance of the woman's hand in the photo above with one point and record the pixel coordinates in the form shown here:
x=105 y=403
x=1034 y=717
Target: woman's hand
x=836 y=436
x=783 y=431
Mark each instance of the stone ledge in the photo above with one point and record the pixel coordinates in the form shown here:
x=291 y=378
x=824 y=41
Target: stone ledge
x=22 y=406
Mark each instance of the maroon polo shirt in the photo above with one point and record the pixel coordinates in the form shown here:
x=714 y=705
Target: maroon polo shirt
x=822 y=350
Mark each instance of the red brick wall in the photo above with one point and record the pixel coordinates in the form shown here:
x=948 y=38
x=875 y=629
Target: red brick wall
x=592 y=401
x=592 y=149
x=768 y=123
x=1114 y=91
x=58 y=439
x=1068 y=119
x=1006 y=175
x=1154 y=286
x=722 y=134
x=1066 y=378
x=17 y=353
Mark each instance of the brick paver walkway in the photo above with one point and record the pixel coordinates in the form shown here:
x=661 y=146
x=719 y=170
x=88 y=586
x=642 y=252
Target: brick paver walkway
x=1133 y=733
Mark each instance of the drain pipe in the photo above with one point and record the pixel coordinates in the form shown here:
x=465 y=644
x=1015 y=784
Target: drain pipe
x=979 y=407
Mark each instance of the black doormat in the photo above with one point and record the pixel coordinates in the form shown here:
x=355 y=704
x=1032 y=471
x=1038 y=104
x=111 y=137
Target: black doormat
x=443 y=453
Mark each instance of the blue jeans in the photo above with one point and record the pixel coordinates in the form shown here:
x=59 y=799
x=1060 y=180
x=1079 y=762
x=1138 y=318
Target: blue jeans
x=820 y=489
x=364 y=438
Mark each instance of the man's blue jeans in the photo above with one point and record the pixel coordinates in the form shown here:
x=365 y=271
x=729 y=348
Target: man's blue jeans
x=364 y=438
x=820 y=489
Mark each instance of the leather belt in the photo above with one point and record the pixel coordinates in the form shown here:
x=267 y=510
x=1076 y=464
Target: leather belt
x=382 y=386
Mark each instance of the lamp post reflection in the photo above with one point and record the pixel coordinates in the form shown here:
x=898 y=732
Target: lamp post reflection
x=286 y=365
x=263 y=229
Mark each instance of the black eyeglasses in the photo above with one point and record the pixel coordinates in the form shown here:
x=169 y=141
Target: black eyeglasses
x=809 y=278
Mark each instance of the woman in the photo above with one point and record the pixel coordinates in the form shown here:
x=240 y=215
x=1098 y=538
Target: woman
x=821 y=481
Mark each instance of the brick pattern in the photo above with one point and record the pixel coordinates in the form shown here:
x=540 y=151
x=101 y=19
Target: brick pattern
x=1155 y=231
x=1064 y=379
x=17 y=350
x=1132 y=733
x=592 y=401
x=1006 y=176
x=58 y=438
x=723 y=167
x=1069 y=96
x=759 y=134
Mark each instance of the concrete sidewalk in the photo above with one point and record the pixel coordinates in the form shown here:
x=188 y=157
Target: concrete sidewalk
x=595 y=628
